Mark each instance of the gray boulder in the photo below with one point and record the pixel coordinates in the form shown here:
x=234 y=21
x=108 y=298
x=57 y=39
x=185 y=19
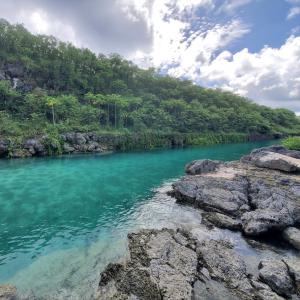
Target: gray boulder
x=213 y=193
x=292 y=235
x=262 y=220
x=34 y=146
x=79 y=139
x=275 y=274
x=276 y=161
x=201 y=166
x=277 y=149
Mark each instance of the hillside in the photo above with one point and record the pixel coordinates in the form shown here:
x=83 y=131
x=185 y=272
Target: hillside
x=50 y=87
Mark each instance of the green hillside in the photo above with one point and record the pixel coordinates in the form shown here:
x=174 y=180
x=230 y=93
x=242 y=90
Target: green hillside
x=48 y=86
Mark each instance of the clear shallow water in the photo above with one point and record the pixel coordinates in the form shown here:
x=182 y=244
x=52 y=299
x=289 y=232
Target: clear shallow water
x=63 y=219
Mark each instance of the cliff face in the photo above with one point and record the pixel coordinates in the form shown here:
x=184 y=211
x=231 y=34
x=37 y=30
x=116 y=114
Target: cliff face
x=258 y=196
x=16 y=74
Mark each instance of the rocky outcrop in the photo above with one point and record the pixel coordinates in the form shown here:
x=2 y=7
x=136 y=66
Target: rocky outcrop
x=76 y=142
x=73 y=142
x=8 y=292
x=259 y=198
x=171 y=264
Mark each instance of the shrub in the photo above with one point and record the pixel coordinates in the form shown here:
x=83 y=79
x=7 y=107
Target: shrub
x=292 y=143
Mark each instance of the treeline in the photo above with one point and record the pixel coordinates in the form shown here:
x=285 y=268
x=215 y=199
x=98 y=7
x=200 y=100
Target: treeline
x=60 y=87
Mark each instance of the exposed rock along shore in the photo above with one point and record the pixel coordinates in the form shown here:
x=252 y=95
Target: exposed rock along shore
x=77 y=142
x=72 y=142
x=258 y=196
x=91 y=142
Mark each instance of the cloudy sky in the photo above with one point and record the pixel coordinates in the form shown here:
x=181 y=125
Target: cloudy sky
x=251 y=47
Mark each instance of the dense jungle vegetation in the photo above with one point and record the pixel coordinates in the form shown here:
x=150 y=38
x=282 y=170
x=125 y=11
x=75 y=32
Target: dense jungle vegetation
x=50 y=86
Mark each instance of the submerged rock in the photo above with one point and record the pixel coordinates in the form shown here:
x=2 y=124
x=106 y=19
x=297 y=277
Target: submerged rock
x=8 y=292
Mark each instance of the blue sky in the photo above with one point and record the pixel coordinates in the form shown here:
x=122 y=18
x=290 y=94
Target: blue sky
x=250 y=47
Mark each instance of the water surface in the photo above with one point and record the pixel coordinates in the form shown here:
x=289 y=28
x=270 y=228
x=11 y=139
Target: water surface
x=63 y=219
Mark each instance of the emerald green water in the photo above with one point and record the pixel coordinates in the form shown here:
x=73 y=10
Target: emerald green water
x=63 y=219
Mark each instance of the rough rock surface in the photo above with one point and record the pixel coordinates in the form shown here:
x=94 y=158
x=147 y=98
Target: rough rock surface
x=8 y=292
x=163 y=264
x=275 y=273
x=170 y=264
x=293 y=266
x=276 y=149
x=201 y=166
x=292 y=235
x=218 y=195
x=261 y=199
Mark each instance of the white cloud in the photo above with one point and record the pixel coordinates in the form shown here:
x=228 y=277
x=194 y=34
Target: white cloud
x=293 y=12
x=39 y=22
x=178 y=47
x=271 y=77
x=229 y=6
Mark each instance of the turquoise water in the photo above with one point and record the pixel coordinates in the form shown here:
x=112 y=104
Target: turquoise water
x=62 y=219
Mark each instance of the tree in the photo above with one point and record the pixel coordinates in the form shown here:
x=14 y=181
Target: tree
x=52 y=102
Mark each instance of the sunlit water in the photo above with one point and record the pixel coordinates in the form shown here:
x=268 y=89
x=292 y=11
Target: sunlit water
x=63 y=219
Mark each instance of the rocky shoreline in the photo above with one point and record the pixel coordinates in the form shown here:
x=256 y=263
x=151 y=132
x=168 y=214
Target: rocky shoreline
x=91 y=142
x=258 y=196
